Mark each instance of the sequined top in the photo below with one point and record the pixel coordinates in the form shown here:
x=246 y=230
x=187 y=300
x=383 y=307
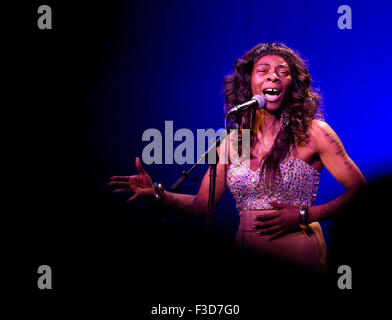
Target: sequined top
x=297 y=185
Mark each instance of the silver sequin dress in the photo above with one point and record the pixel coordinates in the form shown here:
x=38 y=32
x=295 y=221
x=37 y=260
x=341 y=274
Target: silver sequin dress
x=297 y=185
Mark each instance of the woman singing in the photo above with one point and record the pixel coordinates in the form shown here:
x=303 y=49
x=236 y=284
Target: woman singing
x=276 y=186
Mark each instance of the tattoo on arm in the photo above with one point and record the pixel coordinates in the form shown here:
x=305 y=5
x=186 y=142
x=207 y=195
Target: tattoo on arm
x=333 y=139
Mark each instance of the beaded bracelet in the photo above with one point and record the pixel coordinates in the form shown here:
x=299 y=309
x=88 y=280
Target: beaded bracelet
x=158 y=193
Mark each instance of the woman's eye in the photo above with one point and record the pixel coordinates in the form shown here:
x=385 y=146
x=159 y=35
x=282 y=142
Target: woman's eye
x=262 y=71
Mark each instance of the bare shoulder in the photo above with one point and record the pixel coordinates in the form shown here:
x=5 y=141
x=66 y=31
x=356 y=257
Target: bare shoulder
x=324 y=136
x=320 y=128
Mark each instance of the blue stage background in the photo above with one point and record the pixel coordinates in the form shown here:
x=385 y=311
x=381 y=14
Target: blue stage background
x=166 y=60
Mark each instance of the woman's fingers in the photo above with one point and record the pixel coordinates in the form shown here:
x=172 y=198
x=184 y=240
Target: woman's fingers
x=120 y=178
x=141 y=192
x=139 y=184
x=122 y=190
x=133 y=197
x=266 y=224
x=139 y=167
x=270 y=230
x=276 y=235
x=270 y=223
x=266 y=216
x=118 y=184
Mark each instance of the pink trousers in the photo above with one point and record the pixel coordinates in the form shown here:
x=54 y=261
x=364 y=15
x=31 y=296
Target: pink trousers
x=305 y=248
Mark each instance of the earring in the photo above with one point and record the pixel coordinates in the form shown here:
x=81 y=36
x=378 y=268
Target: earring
x=284 y=119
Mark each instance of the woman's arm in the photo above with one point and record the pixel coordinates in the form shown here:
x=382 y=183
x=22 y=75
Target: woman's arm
x=335 y=159
x=197 y=205
x=338 y=163
x=190 y=205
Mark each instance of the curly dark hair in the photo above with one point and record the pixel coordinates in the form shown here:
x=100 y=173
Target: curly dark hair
x=301 y=104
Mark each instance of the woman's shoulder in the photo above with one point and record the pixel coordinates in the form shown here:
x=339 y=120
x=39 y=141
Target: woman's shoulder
x=322 y=134
x=320 y=128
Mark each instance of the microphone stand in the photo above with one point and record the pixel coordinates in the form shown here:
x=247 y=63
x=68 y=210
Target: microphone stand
x=210 y=219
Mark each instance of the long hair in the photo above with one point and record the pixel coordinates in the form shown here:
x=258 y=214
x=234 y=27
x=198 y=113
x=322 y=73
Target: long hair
x=301 y=104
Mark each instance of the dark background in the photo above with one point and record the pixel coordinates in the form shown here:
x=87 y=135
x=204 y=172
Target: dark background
x=87 y=89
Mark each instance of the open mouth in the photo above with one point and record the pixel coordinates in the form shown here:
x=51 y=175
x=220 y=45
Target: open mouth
x=272 y=94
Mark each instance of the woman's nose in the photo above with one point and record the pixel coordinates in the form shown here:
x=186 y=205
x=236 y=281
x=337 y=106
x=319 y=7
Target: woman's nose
x=273 y=76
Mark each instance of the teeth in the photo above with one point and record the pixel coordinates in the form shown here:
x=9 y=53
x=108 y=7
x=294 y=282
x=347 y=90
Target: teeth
x=272 y=91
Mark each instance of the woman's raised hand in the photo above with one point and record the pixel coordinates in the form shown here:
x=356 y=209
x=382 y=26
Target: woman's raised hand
x=140 y=184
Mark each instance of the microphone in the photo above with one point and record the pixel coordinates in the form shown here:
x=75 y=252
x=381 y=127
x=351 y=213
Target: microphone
x=257 y=102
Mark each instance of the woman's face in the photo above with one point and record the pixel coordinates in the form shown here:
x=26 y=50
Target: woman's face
x=271 y=78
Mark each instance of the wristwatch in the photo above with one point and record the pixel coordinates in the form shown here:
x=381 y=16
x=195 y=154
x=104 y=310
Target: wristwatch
x=304 y=217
